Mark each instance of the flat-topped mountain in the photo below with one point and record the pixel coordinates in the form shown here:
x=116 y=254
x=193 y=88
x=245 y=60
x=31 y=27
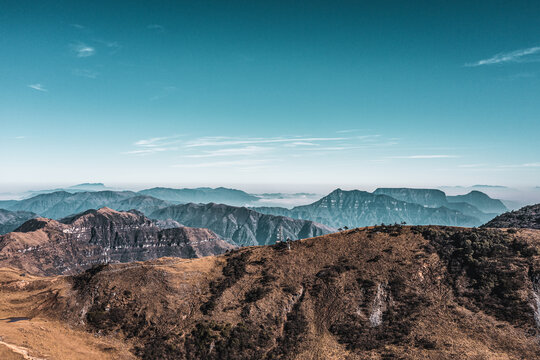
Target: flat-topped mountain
x=360 y=208
x=241 y=225
x=481 y=201
x=386 y=292
x=45 y=246
x=426 y=197
x=10 y=220
x=526 y=217
x=219 y=195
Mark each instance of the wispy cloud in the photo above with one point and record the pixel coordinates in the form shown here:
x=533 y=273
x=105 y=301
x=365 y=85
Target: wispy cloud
x=156 y=27
x=470 y=166
x=155 y=145
x=243 y=151
x=90 y=74
x=425 y=157
x=37 y=87
x=225 y=141
x=82 y=50
x=78 y=26
x=148 y=151
x=526 y=165
x=232 y=163
x=301 y=143
x=518 y=56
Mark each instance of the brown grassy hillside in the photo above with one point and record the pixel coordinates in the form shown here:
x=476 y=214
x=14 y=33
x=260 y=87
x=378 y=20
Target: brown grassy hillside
x=373 y=293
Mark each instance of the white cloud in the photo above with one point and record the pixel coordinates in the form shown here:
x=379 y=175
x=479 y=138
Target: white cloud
x=517 y=56
x=37 y=87
x=225 y=141
x=147 y=151
x=82 y=50
x=232 y=163
x=424 y=157
x=156 y=27
x=244 y=151
x=471 y=165
x=154 y=145
x=301 y=143
x=85 y=73
x=526 y=165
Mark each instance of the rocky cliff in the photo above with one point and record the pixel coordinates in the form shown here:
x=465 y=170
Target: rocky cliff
x=45 y=246
x=240 y=225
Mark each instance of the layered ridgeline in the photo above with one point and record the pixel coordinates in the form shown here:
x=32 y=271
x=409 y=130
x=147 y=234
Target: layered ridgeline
x=360 y=208
x=219 y=195
x=391 y=292
x=45 y=246
x=60 y=204
x=340 y=208
x=10 y=220
x=526 y=217
x=240 y=225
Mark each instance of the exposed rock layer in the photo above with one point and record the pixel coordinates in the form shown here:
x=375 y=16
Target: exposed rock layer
x=45 y=246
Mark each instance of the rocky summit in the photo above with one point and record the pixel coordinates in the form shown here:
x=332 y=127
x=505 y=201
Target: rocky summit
x=76 y=243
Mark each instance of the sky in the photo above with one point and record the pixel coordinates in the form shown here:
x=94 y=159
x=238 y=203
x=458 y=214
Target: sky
x=270 y=94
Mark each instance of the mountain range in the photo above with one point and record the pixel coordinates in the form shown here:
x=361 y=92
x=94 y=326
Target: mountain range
x=10 y=220
x=240 y=225
x=384 y=292
x=360 y=208
x=50 y=247
x=339 y=208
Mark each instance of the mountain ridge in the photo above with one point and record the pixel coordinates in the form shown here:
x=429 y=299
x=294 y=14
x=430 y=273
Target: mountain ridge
x=50 y=247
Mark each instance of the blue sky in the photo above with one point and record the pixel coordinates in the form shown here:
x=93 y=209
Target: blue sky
x=245 y=93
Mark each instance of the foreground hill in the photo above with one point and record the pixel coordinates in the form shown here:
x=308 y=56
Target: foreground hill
x=375 y=293
x=240 y=225
x=526 y=217
x=10 y=220
x=360 y=208
x=45 y=246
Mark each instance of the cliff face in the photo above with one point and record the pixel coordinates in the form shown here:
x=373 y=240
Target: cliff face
x=241 y=225
x=392 y=292
x=526 y=217
x=44 y=246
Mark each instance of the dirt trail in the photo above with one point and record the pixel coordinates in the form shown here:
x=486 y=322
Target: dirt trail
x=20 y=350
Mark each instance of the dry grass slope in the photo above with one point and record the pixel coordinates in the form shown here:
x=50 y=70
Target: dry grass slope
x=387 y=292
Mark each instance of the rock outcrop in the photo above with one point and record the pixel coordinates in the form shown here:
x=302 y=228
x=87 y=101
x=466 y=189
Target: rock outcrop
x=526 y=217
x=45 y=246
